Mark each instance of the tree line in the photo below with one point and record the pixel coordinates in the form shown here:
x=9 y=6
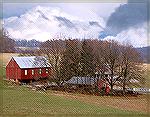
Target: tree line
x=6 y=43
x=82 y=58
x=9 y=45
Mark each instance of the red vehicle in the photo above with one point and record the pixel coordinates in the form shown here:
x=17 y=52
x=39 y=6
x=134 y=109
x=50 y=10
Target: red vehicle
x=104 y=84
x=28 y=68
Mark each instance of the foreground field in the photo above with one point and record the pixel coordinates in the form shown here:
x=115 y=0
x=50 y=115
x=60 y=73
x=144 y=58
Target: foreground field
x=21 y=102
x=129 y=103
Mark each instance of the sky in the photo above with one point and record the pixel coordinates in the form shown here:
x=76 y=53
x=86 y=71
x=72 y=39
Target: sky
x=104 y=21
x=102 y=9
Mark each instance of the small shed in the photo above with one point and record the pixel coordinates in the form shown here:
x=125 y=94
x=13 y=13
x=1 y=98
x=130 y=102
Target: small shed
x=28 y=68
x=83 y=81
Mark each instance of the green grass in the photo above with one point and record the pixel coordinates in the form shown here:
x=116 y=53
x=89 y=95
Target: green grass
x=2 y=70
x=21 y=102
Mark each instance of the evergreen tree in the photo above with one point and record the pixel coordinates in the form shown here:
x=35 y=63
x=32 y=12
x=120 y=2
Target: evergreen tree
x=87 y=59
x=71 y=59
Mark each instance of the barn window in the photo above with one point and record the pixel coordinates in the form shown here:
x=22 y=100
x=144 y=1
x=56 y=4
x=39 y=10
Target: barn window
x=32 y=72
x=40 y=71
x=47 y=71
x=25 y=72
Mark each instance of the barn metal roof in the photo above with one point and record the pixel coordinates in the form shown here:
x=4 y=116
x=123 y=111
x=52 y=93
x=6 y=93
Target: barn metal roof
x=32 y=62
x=82 y=80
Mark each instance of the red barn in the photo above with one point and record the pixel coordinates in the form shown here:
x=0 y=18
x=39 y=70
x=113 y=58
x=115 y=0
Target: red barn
x=28 y=68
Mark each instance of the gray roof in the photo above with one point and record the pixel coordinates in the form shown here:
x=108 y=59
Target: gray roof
x=82 y=80
x=32 y=62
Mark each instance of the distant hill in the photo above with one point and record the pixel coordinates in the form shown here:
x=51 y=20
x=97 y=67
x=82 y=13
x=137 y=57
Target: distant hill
x=26 y=46
x=145 y=53
x=27 y=43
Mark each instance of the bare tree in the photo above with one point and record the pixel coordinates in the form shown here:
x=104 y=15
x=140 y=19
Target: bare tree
x=54 y=49
x=132 y=67
x=110 y=60
x=122 y=62
x=6 y=43
x=69 y=57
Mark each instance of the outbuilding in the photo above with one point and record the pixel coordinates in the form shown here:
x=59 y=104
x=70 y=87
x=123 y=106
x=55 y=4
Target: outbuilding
x=28 y=68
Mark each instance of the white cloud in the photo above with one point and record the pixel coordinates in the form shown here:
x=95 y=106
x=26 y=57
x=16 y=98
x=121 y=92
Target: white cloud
x=137 y=36
x=43 y=23
x=86 y=10
x=73 y=21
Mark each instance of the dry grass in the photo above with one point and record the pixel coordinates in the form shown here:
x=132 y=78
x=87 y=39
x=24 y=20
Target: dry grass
x=22 y=102
x=19 y=101
x=148 y=66
x=5 y=57
x=148 y=75
x=138 y=104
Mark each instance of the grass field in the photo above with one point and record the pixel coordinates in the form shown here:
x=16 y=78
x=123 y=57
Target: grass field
x=21 y=102
x=2 y=70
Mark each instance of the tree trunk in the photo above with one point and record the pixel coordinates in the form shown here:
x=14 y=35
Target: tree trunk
x=124 y=84
x=111 y=82
x=124 y=80
x=111 y=88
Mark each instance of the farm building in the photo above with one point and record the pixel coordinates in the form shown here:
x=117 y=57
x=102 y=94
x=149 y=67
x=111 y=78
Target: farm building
x=28 y=68
x=89 y=82
x=82 y=81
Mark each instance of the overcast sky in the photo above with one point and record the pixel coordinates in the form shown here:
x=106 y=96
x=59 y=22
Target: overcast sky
x=76 y=20
x=79 y=9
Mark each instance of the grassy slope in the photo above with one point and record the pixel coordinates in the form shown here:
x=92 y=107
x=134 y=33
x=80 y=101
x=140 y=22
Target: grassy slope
x=19 y=101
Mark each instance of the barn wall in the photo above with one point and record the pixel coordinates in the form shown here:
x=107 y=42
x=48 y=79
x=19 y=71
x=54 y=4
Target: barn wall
x=36 y=73
x=12 y=70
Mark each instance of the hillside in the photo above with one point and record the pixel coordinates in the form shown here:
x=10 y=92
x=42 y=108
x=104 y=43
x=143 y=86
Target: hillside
x=27 y=43
x=145 y=53
x=19 y=101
